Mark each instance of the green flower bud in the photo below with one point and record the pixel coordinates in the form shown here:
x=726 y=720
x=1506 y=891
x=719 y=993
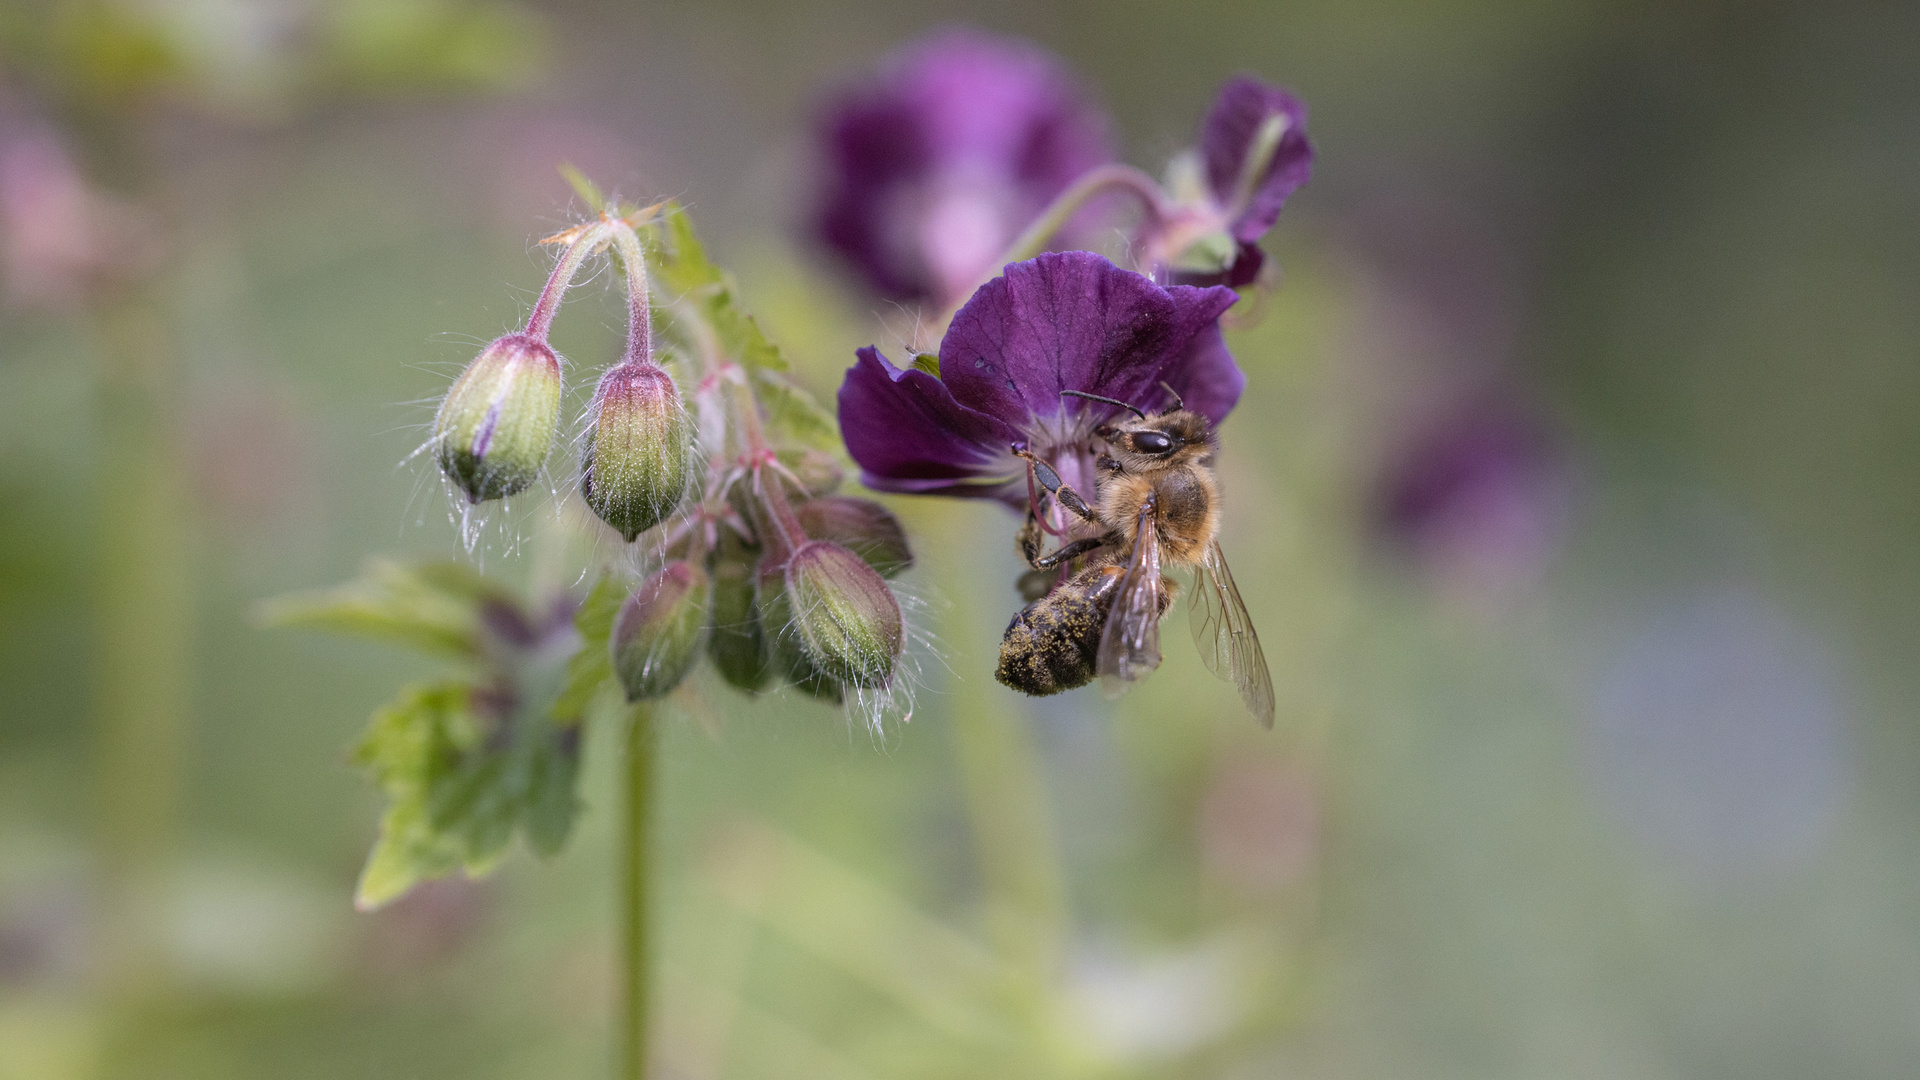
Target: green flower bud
x=638 y=459
x=847 y=618
x=736 y=644
x=497 y=421
x=786 y=650
x=862 y=526
x=657 y=635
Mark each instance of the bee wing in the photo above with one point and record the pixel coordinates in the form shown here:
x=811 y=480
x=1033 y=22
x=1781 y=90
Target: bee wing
x=1130 y=641
x=1224 y=632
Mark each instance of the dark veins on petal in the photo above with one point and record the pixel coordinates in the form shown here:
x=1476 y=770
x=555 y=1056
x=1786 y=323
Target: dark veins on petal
x=1074 y=321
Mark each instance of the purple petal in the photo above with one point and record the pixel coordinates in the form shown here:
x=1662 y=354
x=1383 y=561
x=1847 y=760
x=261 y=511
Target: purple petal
x=1074 y=321
x=1206 y=377
x=908 y=434
x=932 y=167
x=1243 y=105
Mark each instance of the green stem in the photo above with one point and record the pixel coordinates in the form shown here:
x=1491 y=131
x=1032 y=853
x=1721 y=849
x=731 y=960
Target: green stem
x=636 y=950
x=540 y=320
x=1098 y=181
x=639 y=311
x=143 y=662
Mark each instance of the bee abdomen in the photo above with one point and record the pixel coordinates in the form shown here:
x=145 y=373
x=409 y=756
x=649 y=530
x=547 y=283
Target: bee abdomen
x=1051 y=643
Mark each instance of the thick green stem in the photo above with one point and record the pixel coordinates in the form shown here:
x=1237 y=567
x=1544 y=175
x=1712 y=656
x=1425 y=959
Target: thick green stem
x=143 y=657
x=635 y=913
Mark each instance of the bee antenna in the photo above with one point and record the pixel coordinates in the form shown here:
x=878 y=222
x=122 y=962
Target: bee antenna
x=1178 y=401
x=1108 y=400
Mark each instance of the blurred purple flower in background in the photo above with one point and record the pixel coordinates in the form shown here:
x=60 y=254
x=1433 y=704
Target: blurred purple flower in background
x=1065 y=321
x=60 y=237
x=933 y=166
x=1478 y=498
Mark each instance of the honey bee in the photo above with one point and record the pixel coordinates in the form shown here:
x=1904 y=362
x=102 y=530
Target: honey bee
x=1157 y=506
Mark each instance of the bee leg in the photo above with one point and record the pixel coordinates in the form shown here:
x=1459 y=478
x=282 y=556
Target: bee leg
x=1068 y=551
x=1050 y=480
x=1029 y=538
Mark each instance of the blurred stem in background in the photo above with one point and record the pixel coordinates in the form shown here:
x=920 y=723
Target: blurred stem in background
x=635 y=909
x=142 y=660
x=1000 y=773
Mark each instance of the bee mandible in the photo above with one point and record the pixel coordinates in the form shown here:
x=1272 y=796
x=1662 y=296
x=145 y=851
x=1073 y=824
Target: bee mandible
x=1157 y=506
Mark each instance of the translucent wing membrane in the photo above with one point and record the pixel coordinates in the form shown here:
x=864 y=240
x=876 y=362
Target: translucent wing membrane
x=1224 y=632
x=1130 y=642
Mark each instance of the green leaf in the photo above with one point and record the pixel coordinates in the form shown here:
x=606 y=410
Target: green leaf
x=434 y=608
x=409 y=747
x=588 y=191
x=592 y=666
x=927 y=362
x=792 y=415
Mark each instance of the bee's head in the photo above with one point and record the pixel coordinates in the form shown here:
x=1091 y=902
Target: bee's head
x=1168 y=438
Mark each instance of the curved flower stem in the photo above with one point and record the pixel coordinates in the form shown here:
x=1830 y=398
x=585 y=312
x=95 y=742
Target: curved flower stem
x=639 y=311
x=1122 y=178
x=635 y=912
x=1098 y=181
x=581 y=242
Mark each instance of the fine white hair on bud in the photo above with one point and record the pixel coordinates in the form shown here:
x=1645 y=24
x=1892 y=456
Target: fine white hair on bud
x=638 y=459
x=497 y=422
x=848 y=621
x=661 y=630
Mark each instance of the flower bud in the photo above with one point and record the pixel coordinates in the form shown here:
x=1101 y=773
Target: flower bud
x=862 y=526
x=736 y=643
x=657 y=635
x=847 y=618
x=786 y=650
x=497 y=421
x=638 y=457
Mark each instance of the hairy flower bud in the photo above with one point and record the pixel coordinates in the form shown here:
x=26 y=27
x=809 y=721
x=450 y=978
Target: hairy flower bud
x=862 y=526
x=638 y=457
x=846 y=617
x=497 y=421
x=658 y=634
x=786 y=650
x=736 y=643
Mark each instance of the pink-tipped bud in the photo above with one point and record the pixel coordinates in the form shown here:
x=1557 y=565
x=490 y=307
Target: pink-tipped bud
x=658 y=635
x=497 y=422
x=638 y=459
x=847 y=619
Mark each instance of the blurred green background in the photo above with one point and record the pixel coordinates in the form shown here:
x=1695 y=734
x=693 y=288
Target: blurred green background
x=1612 y=769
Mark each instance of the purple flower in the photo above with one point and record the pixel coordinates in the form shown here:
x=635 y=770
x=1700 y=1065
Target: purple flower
x=1066 y=321
x=1253 y=154
x=1478 y=498
x=936 y=164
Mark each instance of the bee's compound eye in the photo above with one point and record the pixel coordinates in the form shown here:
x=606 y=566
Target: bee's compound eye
x=1152 y=442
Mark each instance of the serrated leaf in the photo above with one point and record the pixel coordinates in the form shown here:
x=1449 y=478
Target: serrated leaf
x=681 y=266
x=792 y=415
x=410 y=744
x=591 y=667
x=431 y=609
